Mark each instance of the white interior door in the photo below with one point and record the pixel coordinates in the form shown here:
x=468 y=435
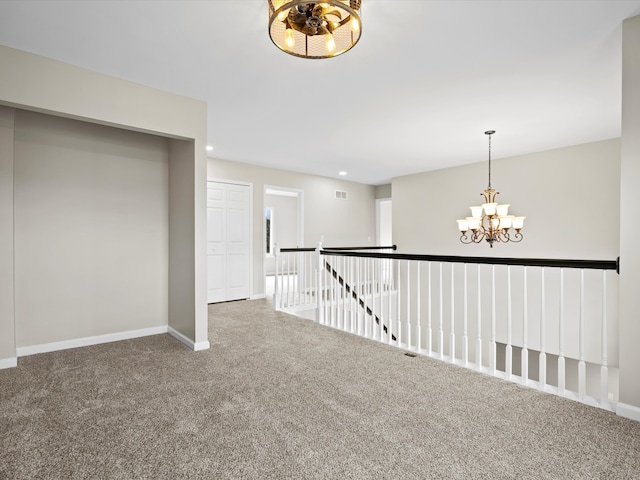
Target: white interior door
x=228 y=241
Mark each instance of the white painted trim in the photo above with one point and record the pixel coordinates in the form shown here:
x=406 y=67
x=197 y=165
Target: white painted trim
x=8 y=362
x=259 y=296
x=205 y=345
x=232 y=182
x=87 y=341
x=628 y=411
x=187 y=341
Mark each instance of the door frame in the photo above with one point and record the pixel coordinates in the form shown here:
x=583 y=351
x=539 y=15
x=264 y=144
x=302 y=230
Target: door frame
x=297 y=192
x=250 y=185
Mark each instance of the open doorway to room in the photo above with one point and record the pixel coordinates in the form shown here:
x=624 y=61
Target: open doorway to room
x=283 y=226
x=383 y=222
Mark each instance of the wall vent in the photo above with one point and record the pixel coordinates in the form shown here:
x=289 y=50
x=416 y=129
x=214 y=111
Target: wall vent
x=341 y=195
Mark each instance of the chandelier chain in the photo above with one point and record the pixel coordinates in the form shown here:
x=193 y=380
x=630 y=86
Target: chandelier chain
x=489 y=187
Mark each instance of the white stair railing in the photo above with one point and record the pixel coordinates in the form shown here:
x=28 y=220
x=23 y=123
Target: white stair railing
x=547 y=324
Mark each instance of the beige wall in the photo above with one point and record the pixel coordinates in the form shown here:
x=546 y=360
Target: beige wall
x=629 y=230
x=569 y=196
x=35 y=83
x=7 y=329
x=383 y=191
x=341 y=222
x=91 y=229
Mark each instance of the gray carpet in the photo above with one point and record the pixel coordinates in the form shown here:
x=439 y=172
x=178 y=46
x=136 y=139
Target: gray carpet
x=280 y=397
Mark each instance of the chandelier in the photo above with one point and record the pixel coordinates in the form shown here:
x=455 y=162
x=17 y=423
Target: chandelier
x=314 y=29
x=490 y=221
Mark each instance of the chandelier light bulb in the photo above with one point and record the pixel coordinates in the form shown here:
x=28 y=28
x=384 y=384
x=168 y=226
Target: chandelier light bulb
x=355 y=25
x=331 y=43
x=289 y=39
x=283 y=14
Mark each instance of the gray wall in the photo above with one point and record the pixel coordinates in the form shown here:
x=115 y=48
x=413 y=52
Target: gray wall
x=66 y=91
x=341 y=222
x=7 y=326
x=629 y=230
x=91 y=229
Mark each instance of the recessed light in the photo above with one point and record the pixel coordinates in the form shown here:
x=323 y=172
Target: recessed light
x=209 y=148
x=342 y=173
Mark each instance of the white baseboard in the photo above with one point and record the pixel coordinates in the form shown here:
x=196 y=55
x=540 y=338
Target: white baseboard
x=259 y=296
x=628 y=411
x=86 y=341
x=188 y=342
x=8 y=362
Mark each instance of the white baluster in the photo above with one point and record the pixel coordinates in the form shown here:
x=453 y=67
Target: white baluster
x=604 y=369
x=344 y=293
x=582 y=366
x=288 y=298
x=276 y=290
x=465 y=337
x=418 y=322
x=479 y=326
x=441 y=331
x=367 y=319
x=509 y=349
x=408 y=305
x=398 y=319
x=492 y=360
x=429 y=304
x=452 y=335
x=378 y=261
x=359 y=295
x=542 y=372
x=314 y=259
x=389 y=273
x=524 y=361
x=561 y=367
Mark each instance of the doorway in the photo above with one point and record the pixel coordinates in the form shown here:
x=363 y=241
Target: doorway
x=384 y=222
x=283 y=226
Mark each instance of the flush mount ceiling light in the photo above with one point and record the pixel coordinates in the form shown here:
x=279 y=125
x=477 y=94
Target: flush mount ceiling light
x=490 y=221
x=314 y=29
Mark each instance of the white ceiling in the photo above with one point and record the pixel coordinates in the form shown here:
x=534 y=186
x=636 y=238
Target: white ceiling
x=425 y=81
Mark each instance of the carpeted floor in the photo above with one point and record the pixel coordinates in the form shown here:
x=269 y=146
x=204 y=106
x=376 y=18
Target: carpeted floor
x=278 y=397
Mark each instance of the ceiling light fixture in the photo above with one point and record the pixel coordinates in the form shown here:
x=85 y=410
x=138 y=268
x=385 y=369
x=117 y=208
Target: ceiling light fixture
x=209 y=148
x=314 y=29
x=490 y=221
x=342 y=173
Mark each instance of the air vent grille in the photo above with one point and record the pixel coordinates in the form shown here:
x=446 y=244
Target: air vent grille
x=341 y=195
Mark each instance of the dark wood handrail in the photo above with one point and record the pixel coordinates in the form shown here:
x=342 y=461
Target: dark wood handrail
x=311 y=249
x=390 y=247
x=528 y=262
